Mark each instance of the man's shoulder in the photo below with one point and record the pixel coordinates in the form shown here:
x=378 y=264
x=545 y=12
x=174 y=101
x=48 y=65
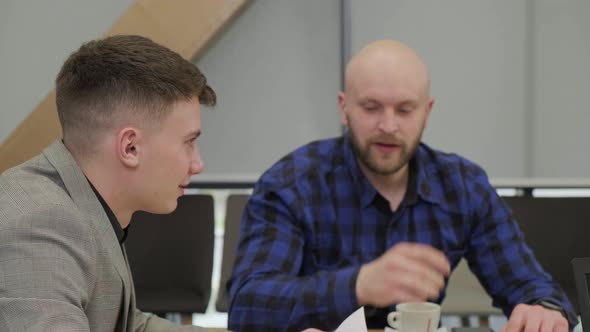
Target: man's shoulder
x=451 y=178
x=447 y=164
x=32 y=187
x=306 y=162
x=34 y=204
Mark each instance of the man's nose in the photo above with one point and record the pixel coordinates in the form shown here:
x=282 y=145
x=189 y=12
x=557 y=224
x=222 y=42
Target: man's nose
x=197 y=164
x=389 y=121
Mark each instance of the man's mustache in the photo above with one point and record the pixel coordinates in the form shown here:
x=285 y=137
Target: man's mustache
x=391 y=140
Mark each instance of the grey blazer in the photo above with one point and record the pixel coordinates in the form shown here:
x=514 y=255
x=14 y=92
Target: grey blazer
x=61 y=266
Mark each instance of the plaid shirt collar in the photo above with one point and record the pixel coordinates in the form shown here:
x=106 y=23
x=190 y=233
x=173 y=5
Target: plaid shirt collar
x=419 y=183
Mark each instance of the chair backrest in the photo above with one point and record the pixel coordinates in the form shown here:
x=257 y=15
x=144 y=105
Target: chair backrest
x=234 y=207
x=171 y=256
x=556 y=229
x=581 y=267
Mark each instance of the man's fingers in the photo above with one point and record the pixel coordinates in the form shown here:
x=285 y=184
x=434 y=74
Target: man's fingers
x=532 y=321
x=557 y=322
x=534 y=318
x=409 y=273
x=561 y=325
x=421 y=276
x=406 y=272
x=428 y=255
x=516 y=321
x=403 y=295
x=418 y=283
x=547 y=325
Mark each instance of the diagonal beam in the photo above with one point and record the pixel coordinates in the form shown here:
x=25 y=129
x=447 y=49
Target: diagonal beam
x=185 y=26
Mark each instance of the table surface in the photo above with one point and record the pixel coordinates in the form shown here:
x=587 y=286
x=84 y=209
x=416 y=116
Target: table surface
x=216 y=329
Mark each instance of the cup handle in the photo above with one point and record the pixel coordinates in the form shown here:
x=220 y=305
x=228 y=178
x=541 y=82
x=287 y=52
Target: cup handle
x=393 y=320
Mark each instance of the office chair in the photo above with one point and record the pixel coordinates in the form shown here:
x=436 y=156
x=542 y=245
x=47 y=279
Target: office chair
x=556 y=229
x=171 y=257
x=235 y=206
x=581 y=267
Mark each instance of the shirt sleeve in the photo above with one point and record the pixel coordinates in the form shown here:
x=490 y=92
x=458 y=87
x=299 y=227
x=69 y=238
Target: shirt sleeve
x=500 y=258
x=267 y=291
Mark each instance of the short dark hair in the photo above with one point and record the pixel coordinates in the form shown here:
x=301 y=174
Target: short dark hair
x=107 y=77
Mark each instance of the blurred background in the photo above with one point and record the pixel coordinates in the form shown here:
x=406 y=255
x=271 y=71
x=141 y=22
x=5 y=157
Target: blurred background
x=510 y=78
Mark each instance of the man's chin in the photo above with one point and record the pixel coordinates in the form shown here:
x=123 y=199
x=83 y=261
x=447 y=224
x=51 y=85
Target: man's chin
x=164 y=209
x=387 y=171
x=384 y=169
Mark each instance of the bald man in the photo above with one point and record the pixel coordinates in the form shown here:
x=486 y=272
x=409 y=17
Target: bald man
x=376 y=217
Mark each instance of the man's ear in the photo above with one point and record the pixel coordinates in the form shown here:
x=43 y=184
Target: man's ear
x=128 y=147
x=342 y=109
x=429 y=107
x=430 y=104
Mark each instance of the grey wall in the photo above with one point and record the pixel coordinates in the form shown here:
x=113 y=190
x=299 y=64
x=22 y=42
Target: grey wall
x=509 y=77
x=35 y=39
x=561 y=88
x=276 y=72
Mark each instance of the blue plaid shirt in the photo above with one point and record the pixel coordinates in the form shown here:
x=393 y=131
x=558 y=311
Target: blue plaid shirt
x=314 y=219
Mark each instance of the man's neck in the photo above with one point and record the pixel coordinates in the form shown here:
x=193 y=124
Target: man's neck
x=392 y=187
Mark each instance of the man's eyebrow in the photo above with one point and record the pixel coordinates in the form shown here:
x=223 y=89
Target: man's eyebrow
x=411 y=103
x=369 y=101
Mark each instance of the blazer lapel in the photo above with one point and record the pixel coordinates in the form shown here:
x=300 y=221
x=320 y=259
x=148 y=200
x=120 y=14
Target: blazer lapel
x=79 y=189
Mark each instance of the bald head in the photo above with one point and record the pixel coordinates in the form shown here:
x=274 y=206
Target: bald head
x=388 y=62
x=385 y=106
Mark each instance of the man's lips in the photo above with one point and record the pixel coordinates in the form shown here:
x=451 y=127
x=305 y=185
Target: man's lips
x=386 y=144
x=386 y=147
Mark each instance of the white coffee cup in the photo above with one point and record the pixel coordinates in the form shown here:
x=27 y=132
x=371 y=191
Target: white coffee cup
x=415 y=317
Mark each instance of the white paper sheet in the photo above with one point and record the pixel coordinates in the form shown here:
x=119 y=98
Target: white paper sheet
x=354 y=323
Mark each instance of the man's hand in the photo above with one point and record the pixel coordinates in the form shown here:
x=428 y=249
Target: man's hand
x=533 y=318
x=406 y=272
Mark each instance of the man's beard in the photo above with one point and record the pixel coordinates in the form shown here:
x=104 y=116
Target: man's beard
x=370 y=160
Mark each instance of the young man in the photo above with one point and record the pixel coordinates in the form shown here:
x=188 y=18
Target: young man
x=130 y=114
x=376 y=217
